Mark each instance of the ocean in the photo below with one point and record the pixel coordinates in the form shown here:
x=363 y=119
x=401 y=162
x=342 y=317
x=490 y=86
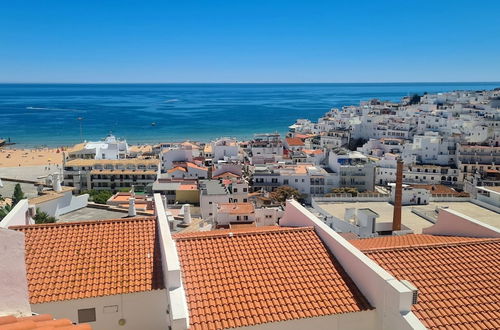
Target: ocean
x=64 y=114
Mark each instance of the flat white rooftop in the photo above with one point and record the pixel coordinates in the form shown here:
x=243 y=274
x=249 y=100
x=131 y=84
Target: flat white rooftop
x=410 y=219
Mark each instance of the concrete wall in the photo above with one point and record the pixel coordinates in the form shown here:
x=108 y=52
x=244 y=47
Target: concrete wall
x=178 y=316
x=206 y=208
x=365 y=320
x=391 y=298
x=13 y=282
x=187 y=196
x=140 y=310
x=453 y=223
x=18 y=216
x=350 y=198
x=63 y=205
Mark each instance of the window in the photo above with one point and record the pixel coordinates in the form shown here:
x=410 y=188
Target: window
x=86 y=315
x=245 y=189
x=245 y=217
x=235 y=190
x=245 y=200
x=238 y=218
x=209 y=203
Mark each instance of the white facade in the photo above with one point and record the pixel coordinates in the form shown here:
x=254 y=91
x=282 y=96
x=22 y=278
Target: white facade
x=268 y=216
x=13 y=283
x=109 y=148
x=489 y=195
x=227 y=213
x=169 y=156
x=353 y=170
x=139 y=310
x=225 y=149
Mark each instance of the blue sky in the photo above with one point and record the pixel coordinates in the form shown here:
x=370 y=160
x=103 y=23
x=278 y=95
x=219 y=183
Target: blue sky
x=249 y=41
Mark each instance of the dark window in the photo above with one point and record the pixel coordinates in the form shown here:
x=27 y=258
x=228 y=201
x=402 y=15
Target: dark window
x=86 y=315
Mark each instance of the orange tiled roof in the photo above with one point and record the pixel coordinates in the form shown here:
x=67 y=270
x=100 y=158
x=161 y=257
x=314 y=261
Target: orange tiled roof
x=312 y=151
x=236 y=208
x=436 y=189
x=225 y=174
x=406 y=241
x=294 y=142
x=260 y=275
x=177 y=168
x=198 y=167
x=457 y=277
x=45 y=321
x=90 y=259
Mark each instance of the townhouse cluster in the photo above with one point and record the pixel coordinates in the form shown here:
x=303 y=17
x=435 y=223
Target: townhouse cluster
x=450 y=139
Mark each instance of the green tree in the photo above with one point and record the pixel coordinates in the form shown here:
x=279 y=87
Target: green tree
x=42 y=217
x=102 y=196
x=5 y=210
x=414 y=99
x=281 y=194
x=99 y=196
x=18 y=194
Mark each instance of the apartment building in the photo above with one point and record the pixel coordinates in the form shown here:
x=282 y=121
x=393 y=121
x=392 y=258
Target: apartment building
x=352 y=169
x=472 y=158
x=310 y=180
x=265 y=148
x=107 y=174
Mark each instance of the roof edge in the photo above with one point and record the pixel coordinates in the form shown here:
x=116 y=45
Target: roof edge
x=90 y=222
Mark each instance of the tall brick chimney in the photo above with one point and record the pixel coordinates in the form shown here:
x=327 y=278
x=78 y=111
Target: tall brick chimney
x=398 y=197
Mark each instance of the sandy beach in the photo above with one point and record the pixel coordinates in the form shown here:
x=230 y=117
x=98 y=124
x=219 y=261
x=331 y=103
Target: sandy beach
x=11 y=157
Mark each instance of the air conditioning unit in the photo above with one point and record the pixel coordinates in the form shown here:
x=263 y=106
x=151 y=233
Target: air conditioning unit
x=413 y=289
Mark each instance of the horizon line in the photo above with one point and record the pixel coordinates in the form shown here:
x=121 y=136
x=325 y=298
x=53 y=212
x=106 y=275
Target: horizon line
x=247 y=83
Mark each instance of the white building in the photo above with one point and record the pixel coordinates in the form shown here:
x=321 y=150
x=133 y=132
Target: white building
x=107 y=174
x=169 y=156
x=489 y=195
x=308 y=179
x=352 y=169
x=108 y=148
x=266 y=148
x=234 y=213
x=214 y=192
x=225 y=149
x=430 y=149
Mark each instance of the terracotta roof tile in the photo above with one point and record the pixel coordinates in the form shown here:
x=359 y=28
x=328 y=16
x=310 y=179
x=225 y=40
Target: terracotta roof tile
x=406 y=241
x=90 y=259
x=261 y=275
x=295 y=142
x=45 y=321
x=457 y=277
x=235 y=208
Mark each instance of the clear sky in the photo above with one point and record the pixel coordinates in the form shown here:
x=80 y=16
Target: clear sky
x=249 y=41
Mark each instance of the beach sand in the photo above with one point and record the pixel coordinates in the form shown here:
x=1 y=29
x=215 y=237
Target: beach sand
x=30 y=157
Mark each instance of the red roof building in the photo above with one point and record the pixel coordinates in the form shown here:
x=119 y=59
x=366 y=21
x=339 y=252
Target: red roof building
x=458 y=278
x=246 y=277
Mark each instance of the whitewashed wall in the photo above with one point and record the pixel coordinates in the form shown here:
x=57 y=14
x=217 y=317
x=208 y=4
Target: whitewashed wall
x=13 y=282
x=141 y=310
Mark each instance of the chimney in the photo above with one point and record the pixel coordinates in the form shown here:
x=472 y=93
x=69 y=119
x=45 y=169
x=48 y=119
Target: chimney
x=164 y=201
x=56 y=182
x=131 y=207
x=187 y=214
x=398 y=197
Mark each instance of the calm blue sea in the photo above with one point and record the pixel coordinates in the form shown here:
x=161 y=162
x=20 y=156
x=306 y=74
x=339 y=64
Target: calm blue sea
x=47 y=114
